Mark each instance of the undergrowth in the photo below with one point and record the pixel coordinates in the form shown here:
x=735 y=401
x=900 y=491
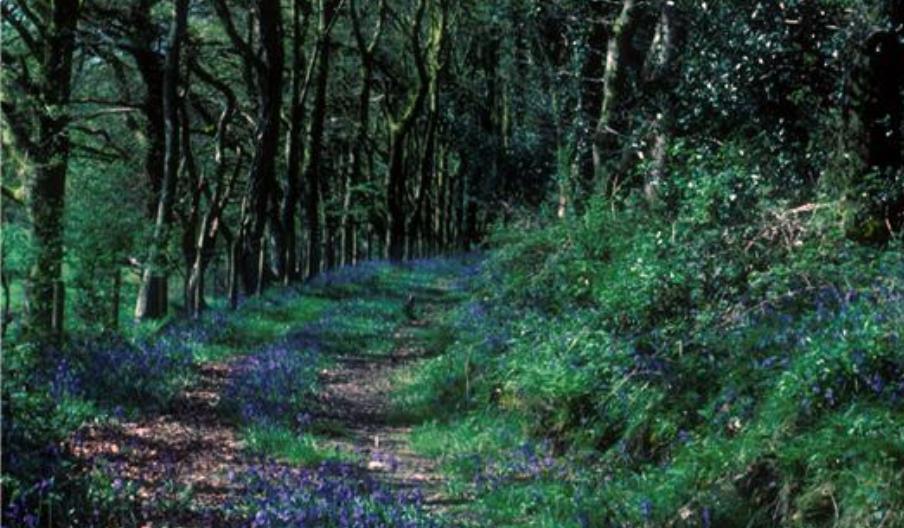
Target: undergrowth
x=724 y=357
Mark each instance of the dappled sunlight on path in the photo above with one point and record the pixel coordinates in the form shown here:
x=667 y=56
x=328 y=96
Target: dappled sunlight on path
x=326 y=380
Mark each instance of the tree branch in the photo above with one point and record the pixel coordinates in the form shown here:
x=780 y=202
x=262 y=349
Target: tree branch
x=10 y=195
x=244 y=48
x=16 y=123
x=21 y=30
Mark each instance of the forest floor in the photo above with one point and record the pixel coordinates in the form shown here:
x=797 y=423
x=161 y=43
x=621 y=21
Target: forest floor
x=181 y=462
x=356 y=398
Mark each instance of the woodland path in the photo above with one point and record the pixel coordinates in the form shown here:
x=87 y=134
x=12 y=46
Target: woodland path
x=356 y=395
x=183 y=457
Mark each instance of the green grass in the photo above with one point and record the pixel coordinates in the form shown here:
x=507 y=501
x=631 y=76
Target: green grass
x=286 y=445
x=479 y=434
x=678 y=380
x=468 y=445
x=262 y=321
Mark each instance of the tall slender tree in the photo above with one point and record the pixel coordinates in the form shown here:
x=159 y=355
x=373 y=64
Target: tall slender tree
x=610 y=126
x=400 y=126
x=313 y=173
x=360 y=148
x=301 y=82
x=152 y=297
x=266 y=64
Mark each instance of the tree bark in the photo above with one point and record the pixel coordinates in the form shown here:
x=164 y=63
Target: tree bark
x=300 y=82
x=262 y=180
x=662 y=81
x=318 y=117
x=150 y=63
x=591 y=99
x=6 y=315
x=152 y=296
x=366 y=51
x=399 y=128
x=265 y=79
x=875 y=117
x=49 y=149
x=611 y=125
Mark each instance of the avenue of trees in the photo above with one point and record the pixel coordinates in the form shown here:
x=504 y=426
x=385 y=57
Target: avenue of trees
x=224 y=145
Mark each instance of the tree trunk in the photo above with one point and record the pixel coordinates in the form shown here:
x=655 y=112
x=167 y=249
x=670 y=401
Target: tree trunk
x=207 y=226
x=150 y=64
x=262 y=179
x=6 y=316
x=395 y=240
x=315 y=165
x=152 y=296
x=264 y=77
x=47 y=187
x=366 y=51
x=116 y=302
x=300 y=78
x=399 y=129
x=235 y=267
x=661 y=78
x=346 y=222
x=610 y=127
x=591 y=99
x=423 y=204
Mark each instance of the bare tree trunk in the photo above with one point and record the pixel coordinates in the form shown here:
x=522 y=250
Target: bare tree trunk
x=150 y=65
x=267 y=67
x=6 y=316
x=116 y=302
x=591 y=99
x=610 y=127
x=366 y=51
x=262 y=184
x=313 y=176
x=346 y=222
x=300 y=82
x=427 y=169
x=152 y=296
x=235 y=258
x=661 y=77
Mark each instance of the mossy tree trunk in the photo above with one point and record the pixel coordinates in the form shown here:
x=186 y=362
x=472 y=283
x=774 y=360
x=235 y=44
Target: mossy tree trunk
x=400 y=126
x=41 y=131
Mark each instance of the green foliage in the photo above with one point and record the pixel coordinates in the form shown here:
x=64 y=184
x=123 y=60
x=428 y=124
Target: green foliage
x=104 y=222
x=285 y=444
x=727 y=360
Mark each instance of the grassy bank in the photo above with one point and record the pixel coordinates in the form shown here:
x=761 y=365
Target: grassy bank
x=722 y=359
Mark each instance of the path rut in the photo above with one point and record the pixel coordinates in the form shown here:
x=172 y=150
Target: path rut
x=356 y=395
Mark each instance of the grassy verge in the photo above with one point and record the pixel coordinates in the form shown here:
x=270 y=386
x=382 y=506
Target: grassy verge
x=636 y=367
